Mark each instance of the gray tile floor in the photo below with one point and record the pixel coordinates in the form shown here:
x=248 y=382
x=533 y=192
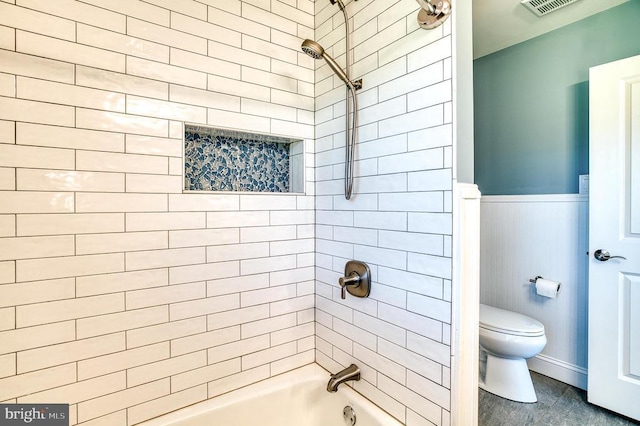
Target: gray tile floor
x=558 y=405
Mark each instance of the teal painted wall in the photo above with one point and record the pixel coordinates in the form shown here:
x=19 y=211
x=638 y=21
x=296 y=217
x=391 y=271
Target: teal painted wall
x=532 y=104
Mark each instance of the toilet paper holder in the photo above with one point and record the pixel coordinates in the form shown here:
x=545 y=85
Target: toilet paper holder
x=535 y=280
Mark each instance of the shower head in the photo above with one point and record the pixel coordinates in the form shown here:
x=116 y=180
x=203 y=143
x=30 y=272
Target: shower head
x=316 y=51
x=339 y=3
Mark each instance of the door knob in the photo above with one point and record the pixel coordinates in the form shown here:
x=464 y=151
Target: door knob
x=603 y=255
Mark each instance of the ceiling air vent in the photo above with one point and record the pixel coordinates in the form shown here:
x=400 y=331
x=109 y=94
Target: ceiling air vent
x=544 y=7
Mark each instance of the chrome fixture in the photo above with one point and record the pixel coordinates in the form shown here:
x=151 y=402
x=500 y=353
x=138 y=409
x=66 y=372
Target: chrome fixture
x=603 y=255
x=349 y=415
x=433 y=13
x=316 y=51
x=356 y=280
x=352 y=372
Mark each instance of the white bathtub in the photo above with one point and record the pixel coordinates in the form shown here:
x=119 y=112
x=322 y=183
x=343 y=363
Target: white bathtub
x=298 y=398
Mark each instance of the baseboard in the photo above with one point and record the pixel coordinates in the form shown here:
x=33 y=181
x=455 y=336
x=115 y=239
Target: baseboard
x=559 y=370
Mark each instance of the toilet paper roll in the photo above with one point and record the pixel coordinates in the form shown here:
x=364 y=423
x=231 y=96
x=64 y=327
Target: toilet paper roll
x=547 y=288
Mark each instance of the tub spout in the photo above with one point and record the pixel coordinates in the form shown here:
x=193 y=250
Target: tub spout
x=352 y=372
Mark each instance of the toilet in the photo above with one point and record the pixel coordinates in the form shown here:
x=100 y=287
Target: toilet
x=507 y=339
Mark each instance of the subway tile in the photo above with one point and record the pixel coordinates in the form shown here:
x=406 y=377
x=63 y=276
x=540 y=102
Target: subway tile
x=412 y=202
x=229 y=20
x=77 y=11
x=237 y=317
x=65 y=94
x=412 y=121
x=237 y=349
x=36 y=359
x=282 y=23
x=206 y=306
x=116 y=122
x=167 y=73
x=7 y=365
x=36 y=112
x=292 y=247
x=164 y=109
x=111 y=243
x=116 y=401
x=37 y=157
x=267 y=233
x=118 y=418
x=167 y=367
x=430 y=180
x=7 y=130
x=204 y=98
x=162 y=405
x=7 y=85
x=164 y=295
x=237 y=252
x=433 y=350
x=7 y=38
x=233 y=87
x=43 y=313
x=266 y=109
x=123 y=281
x=164 y=221
x=80 y=391
x=431 y=95
x=118 y=361
x=166 y=332
x=342 y=343
x=166 y=36
x=237 y=284
x=421 y=405
x=409 y=241
x=7 y=272
x=36 y=292
x=37 y=22
x=165 y=258
x=435 y=223
x=62 y=137
x=292 y=334
x=32 y=66
x=136 y=144
x=410 y=321
x=430 y=53
x=411 y=162
x=112 y=203
x=121 y=43
x=135 y=8
x=35 y=337
x=35 y=247
x=232 y=6
x=56 y=180
x=208 y=271
x=237 y=219
x=156 y=184
x=296 y=304
x=7 y=179
x=274 y=353
x=111 y=323
x=116 y=82
x=206 y=340
x=223 y=52
x=113 y=162
x=429 y=265
x=235 y=381
x=203 y=202
x=206 y=30
x=270 y=264
x=201 y=237
x=47 y=47
x=7 y=222
x=205 y=374
x=7 y=319
x=267 y=202
x=62 y=267
x=24 y=384
x=61 y=224
x=268 y=325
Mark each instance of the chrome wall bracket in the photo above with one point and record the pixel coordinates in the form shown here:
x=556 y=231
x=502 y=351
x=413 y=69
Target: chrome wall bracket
x=356 y=280
x=433 y=13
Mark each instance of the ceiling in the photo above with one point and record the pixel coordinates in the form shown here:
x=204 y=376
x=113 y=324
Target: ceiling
x=498 y=24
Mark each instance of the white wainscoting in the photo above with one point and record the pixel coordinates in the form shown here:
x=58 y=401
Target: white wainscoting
x=522 y=237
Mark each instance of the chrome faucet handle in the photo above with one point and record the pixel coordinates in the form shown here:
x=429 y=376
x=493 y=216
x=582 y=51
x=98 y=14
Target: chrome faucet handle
x=352 y=279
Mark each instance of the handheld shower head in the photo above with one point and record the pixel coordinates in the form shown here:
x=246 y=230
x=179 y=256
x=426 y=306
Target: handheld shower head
x=316 y=51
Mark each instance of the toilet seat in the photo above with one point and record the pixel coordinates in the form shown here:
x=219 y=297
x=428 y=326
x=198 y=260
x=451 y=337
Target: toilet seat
x=507 y=322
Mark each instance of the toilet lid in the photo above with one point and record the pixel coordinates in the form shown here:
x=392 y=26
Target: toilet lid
x=508 y=322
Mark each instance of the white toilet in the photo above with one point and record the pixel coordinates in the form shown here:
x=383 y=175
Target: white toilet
x=507 y=339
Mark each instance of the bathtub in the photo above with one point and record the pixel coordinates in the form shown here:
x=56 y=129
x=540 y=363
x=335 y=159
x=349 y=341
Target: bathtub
x=298 y=398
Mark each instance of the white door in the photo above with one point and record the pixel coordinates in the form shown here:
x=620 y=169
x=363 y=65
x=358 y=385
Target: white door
x=614 y=230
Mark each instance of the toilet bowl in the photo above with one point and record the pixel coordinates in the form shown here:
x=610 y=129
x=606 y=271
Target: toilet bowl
x=507 y=339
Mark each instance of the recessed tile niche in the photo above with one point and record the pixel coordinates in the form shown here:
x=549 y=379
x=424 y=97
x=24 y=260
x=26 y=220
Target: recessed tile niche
x=232 y=160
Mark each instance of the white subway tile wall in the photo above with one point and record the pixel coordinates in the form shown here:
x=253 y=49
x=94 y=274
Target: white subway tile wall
x=119 y=294
x=399 y=221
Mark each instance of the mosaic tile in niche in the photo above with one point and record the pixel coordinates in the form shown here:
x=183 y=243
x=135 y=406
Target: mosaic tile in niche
x=223 y=160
